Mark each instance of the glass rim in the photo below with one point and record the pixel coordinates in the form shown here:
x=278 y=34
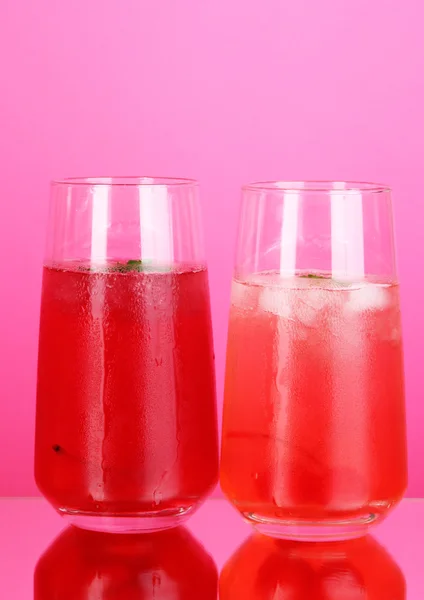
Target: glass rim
x=126 y=181
x=317 y=186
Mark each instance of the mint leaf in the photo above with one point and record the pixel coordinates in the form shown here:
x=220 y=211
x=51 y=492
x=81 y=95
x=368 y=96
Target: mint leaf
x=134 y=265
x=138 y=266
x=313 y=276
x=328 y=278
x=130 y=265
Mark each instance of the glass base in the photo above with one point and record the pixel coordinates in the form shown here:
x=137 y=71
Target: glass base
x=314 y=531
x=133 y=523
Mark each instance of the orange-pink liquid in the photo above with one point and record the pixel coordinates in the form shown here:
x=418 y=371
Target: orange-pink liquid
x=314 y=424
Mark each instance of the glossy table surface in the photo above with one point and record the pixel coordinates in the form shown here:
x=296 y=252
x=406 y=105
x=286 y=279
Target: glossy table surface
x=184 y=564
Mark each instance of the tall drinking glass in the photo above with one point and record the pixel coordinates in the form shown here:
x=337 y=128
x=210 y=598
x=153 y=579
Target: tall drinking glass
x=126 y=435
x=314 y=425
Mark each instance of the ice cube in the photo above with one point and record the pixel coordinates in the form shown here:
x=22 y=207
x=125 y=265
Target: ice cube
x=240 y=295
x=368 y=297
x=307 y=313
x=276 y=300
x=245 y=296
x=310 y=302
x=237 y=293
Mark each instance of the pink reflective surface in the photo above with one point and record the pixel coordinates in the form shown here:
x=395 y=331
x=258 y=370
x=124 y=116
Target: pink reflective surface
x=177 y=565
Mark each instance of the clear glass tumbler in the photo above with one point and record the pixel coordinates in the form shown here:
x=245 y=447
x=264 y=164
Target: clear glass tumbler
x=314 y=443
x=126 y=433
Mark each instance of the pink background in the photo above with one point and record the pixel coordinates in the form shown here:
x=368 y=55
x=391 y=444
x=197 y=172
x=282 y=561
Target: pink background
x=226 y=91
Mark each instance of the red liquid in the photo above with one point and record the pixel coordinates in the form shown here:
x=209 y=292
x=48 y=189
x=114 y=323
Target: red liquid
x=267 y=569
x=82 y=565
x=126 y=392
x=314 y=424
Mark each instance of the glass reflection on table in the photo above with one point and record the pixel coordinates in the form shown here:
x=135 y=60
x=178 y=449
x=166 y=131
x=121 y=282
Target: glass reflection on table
x=85 y=565
x=269 y=569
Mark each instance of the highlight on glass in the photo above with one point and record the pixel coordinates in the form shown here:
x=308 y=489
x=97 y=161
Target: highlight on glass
x=265 y=569
x=314 y=443
x=126 y=432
